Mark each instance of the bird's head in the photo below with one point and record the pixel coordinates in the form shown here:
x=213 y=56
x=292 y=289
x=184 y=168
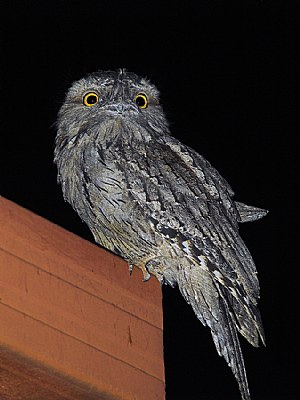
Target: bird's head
x=112 y=95
x=108 y=106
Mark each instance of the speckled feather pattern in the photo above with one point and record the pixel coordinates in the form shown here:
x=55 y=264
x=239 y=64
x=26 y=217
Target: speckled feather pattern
x=160 y=205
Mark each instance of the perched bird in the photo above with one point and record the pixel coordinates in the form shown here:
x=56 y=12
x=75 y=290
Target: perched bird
x=159 y=204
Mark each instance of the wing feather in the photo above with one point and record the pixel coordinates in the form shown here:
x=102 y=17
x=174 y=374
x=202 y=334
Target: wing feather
x=179 y=190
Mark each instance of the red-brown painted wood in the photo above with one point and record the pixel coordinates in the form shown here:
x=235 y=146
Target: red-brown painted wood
x=72 y=308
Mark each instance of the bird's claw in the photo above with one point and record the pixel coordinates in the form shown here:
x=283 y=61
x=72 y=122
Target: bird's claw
x=130 y=269
x=146 y=275
x=153 y=266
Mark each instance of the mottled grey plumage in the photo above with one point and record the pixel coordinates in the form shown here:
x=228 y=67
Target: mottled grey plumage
x=159 y=204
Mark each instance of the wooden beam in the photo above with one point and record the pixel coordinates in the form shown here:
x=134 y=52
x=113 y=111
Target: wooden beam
x=70 y=310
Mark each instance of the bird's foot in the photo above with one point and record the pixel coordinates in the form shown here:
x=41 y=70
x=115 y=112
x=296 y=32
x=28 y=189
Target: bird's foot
x=130 y=268
x=146 y=275
x=154 y=267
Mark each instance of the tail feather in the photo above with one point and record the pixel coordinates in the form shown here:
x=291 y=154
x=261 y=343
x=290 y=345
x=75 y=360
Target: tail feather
x=249 y=213
x=212 y=309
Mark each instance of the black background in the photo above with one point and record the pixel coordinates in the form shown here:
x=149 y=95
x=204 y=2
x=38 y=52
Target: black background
x=227 y=72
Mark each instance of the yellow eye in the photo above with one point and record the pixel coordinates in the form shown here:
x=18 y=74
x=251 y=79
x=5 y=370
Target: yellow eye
x=141 y=100
x=90 y=99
